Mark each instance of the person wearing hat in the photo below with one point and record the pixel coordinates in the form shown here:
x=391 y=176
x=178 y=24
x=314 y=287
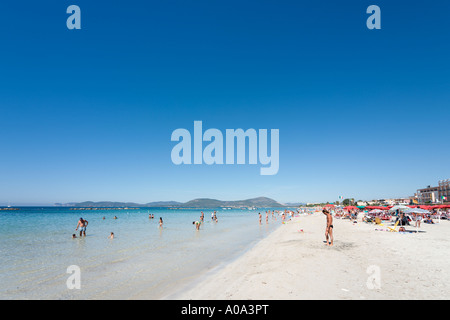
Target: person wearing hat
x=82 y=224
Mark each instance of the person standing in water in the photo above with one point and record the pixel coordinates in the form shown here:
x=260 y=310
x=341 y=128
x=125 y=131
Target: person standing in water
x=82 y=224
x=160 y=222
x=197 y=224
x=329 y=228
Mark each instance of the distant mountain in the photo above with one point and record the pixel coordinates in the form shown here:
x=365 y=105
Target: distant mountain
x=261 y=202
x=213 y=203
x=294 y=204
x=163 y=204
x=105 y=204
x=204 y=203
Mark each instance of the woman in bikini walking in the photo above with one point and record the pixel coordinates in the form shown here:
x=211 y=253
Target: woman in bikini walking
x=329 y=229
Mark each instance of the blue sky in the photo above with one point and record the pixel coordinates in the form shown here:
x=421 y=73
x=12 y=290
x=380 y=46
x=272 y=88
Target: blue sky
x=88 y=114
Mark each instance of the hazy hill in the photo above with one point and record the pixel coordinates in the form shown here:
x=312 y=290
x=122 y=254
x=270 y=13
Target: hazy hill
x=261 y=202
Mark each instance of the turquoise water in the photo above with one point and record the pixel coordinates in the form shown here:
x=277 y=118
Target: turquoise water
x=143 y=261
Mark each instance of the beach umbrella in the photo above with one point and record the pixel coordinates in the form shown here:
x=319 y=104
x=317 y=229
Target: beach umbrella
x=350 y=208
x=399 y=207
x=375 y=211
x=417 y=210
x=441 y=206
x=330 y=205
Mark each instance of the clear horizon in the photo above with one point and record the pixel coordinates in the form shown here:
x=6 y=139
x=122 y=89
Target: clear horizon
x=146 y=202
x=87 y=115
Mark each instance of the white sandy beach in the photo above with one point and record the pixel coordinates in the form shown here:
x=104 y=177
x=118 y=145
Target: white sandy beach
x=289 y=264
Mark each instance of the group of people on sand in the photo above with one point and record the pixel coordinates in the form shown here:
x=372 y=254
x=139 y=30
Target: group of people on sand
x=401 y=219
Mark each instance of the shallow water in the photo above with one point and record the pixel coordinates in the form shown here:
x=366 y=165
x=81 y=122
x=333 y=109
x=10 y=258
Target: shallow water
x=141 y=262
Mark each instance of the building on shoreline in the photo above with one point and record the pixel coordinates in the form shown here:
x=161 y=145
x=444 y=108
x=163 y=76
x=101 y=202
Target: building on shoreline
x=438 y=194
x=444 y=190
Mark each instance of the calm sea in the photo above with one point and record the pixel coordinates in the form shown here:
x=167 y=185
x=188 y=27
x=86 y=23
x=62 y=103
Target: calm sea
x=143 y=261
